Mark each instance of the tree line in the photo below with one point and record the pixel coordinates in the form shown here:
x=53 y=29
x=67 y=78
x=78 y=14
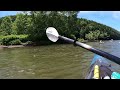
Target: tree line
x=35 y=23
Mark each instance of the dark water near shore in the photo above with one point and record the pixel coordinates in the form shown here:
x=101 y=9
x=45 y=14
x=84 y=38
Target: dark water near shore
x=50 y=62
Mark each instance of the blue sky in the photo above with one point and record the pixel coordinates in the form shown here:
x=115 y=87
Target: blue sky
x=109 y=18
x=6 y=13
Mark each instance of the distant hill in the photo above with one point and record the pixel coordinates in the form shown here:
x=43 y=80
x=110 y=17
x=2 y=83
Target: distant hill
x=89 y=27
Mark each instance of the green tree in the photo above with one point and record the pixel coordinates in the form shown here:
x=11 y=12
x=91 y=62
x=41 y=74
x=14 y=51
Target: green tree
x=6 y=25
x=21 y=24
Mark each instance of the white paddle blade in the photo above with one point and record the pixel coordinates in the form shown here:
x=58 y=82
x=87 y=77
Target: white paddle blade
x=52 y=34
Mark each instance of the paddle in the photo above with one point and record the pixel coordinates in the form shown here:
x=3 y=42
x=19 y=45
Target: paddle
x=53 y=35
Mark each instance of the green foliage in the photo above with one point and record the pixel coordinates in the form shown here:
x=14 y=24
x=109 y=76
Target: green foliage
x=15 y=42
x=105 y=32
x=95 y=35
x=90 y=36
x=21 y=24
x=81 y=40
x=43 y=19
x=6 y=25
x=29 y=42
x=11 y=39
x=35 y=23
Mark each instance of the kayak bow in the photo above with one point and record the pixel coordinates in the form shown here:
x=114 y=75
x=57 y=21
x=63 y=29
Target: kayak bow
x=101 y=69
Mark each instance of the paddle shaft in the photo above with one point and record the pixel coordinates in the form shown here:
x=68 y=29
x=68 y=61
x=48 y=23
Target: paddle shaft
x=97 y=51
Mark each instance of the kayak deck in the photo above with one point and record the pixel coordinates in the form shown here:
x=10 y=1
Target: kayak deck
x=101 y=69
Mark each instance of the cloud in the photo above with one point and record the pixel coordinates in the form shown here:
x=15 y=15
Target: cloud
x=116 y=14
x=86 y=12
x=113 y=14
x=97 y=12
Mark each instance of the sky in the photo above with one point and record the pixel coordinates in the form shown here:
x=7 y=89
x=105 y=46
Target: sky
x=109 y=18
x=6 y=13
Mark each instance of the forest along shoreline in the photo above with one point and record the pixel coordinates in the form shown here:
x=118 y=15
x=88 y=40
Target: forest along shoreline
x=28 y=28
x=28 y=43
x=34 y=44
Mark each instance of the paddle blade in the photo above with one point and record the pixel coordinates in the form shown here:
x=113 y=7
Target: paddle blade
x=52 y=34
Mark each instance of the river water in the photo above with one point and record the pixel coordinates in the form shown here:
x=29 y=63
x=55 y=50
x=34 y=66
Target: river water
x=63 y=61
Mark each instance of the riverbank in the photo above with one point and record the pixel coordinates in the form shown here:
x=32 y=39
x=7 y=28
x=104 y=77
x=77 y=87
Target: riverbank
x=26 y=45
x=37 y=44
x=11 y=46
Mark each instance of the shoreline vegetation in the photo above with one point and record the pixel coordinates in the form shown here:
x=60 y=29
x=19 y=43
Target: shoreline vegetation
x=28 y=28
x=11 y=46
x=34 y=44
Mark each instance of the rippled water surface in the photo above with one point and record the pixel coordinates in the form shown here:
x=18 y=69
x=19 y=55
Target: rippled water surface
x=50 y=62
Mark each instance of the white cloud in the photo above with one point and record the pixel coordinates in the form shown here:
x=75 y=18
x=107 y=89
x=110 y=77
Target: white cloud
x=113 y=14
x=100 y=12
x=86 y=12
x=116 y=14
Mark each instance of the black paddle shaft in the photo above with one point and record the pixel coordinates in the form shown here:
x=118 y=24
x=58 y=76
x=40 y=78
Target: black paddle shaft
x=97 y=51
